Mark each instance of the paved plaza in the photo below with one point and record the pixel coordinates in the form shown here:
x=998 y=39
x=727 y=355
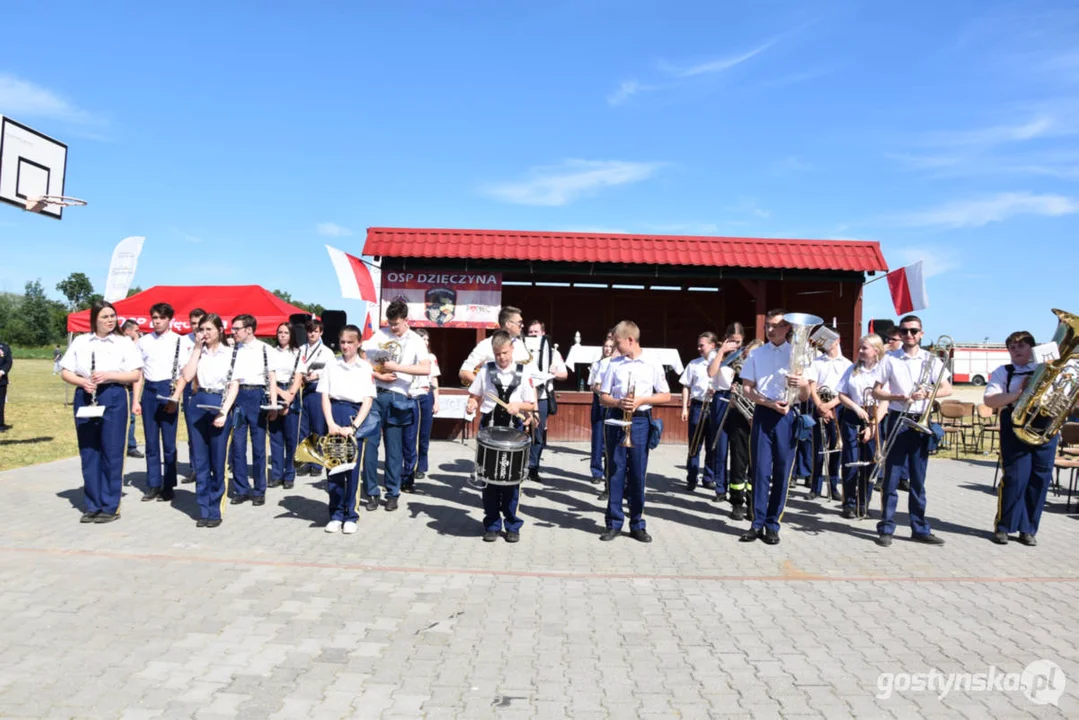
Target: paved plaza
x=415 y=617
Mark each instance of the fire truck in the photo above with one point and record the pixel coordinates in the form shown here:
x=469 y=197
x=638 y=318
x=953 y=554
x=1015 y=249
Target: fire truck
x=973 y=362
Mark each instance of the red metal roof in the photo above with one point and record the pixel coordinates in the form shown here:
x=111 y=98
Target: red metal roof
x=848 y=255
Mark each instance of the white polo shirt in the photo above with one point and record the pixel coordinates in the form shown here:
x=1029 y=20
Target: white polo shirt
x=284 y=364
x=768 y=366
x=89 y=353
x=412 y=349
x=315 y=354
x=998 y=380
x=856 y=380
x=645 y=377
x=421 y=384
x=901 y=372
x=213 y=369
x=252 y=363
x=695 y=377
x=827 y=371
x=351 y=382
x=163 y=356
x=524 y=392
x=484 y=353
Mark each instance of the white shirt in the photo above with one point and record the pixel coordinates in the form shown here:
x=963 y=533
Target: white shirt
x=998 y=380
x=284 y=364
x=213 y=369
x=723 y=379
x=854 y=382
x=523 y=393
x=533 y=344
x=112 y=353
x=827 y=371
x=412 y=350
x=602 y=366
x=484 y=353
x=313 y=354
x=421 y=384
x=695 y=377
x=162 y=356
x=252 y=362
x=769 y=366
x=902 y=371
x=645 y=377
x=351 y=382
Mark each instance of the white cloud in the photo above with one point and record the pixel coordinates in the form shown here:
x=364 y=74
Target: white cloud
x=715 y=66
x=976 y=213
x=749 y=206
x=935 y=260
x=624 y=92
x=187 y=237
x=329 y=229
x=22 y=98
x=562 y=184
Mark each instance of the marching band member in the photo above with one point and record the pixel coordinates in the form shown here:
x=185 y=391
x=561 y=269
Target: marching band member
x=347 y=394
x=396 y=410
x=101 y=365
x=190 y=341
x=514 y=387
x=857 y=427
x=547 y=360
x=253 y=375
x=417 y=440
x=1028 y=469
x=509 y=320
x=632 y=385
x=721 y=378
x=696 y=394
x=894 y=347
x=825 y=372
x=130 y=329
x=284 y=424
x=314 y=356
x=163 y=358
x=735 y=429
x=765 y=378
x=599 y=413
x=212 y=364
x=911 y=448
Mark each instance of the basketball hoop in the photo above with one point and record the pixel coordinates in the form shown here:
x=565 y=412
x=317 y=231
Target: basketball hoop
x=36 y=203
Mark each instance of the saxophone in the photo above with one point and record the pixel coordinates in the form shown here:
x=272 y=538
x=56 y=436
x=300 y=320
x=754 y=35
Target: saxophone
x=1048 y=398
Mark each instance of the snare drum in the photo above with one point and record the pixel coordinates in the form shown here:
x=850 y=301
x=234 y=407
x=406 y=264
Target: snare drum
x=502 y=456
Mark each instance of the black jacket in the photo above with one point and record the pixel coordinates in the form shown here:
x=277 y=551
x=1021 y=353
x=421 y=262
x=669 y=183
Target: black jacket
x=5 y=362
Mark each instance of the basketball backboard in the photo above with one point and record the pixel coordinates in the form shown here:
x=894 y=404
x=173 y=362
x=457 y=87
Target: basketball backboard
x=31 y=165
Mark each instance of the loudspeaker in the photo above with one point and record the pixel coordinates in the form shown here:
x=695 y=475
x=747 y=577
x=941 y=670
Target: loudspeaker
x=298 y=318
x=332 y=322
x=881 y=327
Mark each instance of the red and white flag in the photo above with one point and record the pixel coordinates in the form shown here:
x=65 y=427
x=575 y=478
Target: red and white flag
x=355 y=278
x=907 y=286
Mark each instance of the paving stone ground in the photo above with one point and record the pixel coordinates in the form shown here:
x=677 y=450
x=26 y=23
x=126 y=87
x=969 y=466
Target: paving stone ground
x=415 y=617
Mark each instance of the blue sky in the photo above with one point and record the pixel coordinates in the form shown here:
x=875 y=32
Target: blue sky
x=239 y=137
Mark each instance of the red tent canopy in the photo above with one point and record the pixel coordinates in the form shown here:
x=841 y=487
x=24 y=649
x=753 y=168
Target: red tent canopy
x=228 y=301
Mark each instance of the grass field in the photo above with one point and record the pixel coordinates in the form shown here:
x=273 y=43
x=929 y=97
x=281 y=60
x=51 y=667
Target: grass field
x=43 y=425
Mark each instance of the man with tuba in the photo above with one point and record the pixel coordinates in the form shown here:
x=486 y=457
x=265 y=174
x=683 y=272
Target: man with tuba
x=697 y=411
x=1028 y=468
x=910 y=382
x=824 y=375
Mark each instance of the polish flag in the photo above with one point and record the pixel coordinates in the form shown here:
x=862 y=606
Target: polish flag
x=907 y=286
x=369 y=326
x=352 y=273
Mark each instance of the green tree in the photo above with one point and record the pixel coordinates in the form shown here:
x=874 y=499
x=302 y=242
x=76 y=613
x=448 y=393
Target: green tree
x=134 y=291
x=78 y=290
x=32 y=323
x=313 y=308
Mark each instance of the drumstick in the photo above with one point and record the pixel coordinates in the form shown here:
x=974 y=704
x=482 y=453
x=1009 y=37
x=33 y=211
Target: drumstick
x=491 y=396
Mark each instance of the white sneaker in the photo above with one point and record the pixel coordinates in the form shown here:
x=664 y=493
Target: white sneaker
x=333 y=526
x=350 y=528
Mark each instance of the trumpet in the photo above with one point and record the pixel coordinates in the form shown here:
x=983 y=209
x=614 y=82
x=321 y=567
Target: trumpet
x=627 y=417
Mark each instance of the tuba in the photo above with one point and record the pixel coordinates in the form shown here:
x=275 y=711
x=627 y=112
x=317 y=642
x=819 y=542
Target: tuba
x=801 y=348
x=329 y=451
x=1053 y=389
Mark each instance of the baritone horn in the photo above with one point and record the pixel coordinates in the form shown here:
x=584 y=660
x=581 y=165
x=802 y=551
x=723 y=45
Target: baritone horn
x=801 y=324
x=393 y=348
x=1053 y=389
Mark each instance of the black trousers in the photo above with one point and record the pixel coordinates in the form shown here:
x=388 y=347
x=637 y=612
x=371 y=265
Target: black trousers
x=3 y=399
x=737 y=429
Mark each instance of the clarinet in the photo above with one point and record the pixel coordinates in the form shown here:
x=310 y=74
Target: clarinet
x=93 y=364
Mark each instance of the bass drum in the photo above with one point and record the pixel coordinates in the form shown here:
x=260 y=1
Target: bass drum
x=502 y=456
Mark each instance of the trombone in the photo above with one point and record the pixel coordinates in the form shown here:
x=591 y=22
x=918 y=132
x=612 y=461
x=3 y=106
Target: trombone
x=869 y=404
x=698 y=434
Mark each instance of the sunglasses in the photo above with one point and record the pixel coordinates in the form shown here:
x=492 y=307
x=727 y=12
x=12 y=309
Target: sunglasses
x=909 y=331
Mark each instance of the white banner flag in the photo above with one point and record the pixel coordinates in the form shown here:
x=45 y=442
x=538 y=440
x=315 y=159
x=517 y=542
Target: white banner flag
x=125 y=258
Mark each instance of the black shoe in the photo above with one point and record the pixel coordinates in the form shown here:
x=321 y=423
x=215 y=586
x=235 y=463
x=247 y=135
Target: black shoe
x=273 y=484
x=884 y=540
x=603 y=495
x=421 y=475
x=391 y=503
x=609 y=534
x=847 y=514
x=512 y=537
x=238 y=500
x=928 y=539
x=595 y=480
x=213 y=523
x=738 y=513
x=836 y=495
x=533 y=474
x=904 y=485
x=104 y=517
x=771 y=537
x=812 y=495
x=187 y=479
x=5 y=428
x=878 y=485
x=287 y=484
x=88 y=517
x=640 y=535
x=408 y=487
x=301 y=470
x=490 y=536
x=166 y=495
x=151 y=494
x=1000 y=537
x=1028 y=539
x=136 y=453
x=258 y=500
x=201 y=522
x=749 y=535
x=708 y=485
x=371 y=504
x=691 y=485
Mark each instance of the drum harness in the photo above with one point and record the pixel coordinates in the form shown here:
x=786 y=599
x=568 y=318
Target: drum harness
x=499 y=416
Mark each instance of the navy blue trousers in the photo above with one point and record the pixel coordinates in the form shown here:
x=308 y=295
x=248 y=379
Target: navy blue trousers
x=409 y=444
x=427 y=421
x=132 y=444
x=719 y=455
x=160 y=429
x=826 y=438
x=803 y=466
x=342 y=487
x=188 y=394
x=210 y=450
x=856 y=488
x=284 y=436
x=596 y=418
x=1028 y=472
x=312 y=421
x=394 y=419
x=249 y=417
x=101 y=447
x=772 y=447
x=539 y=437
x=910 y=452
x=693 y=463
x=500 y=501
x=629 y=468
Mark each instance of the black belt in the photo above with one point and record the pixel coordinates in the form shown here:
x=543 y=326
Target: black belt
x=252 y=387
x=212 y=392
x=284 y=386
x=103 y=386
x=383 y=390
x=696 y=402
x=642 y=413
